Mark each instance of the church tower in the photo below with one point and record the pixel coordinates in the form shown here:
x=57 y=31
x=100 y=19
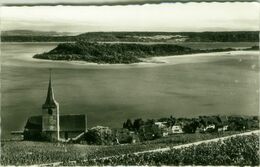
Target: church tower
x=50 y=116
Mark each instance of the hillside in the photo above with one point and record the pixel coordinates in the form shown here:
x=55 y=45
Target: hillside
x=173 y=36
x=33 y=33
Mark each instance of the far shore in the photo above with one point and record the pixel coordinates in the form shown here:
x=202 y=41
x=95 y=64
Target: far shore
x=138 y=42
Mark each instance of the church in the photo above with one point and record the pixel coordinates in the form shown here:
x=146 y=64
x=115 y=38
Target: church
x=51 y=126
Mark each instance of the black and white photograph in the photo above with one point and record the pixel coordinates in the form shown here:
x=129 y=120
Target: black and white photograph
x=129 y=83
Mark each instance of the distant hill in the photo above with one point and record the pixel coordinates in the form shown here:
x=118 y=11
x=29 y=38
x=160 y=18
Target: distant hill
x=33 y=33
x=40 y=36
x=236 y=36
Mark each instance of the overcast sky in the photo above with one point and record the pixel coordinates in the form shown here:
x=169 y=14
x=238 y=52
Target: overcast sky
x=148 y=17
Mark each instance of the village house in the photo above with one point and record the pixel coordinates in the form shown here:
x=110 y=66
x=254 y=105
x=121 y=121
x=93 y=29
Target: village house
x=213 y=123
x=51 y=126
x=163 y=127
x=177 y=128
x=223 y=126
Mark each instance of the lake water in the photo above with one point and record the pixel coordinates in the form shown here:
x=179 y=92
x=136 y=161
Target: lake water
x=185 y=86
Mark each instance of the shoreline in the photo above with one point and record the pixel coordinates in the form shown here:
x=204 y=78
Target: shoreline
x=27 y=60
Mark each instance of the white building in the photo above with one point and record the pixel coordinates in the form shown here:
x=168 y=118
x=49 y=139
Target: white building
x=177 y=129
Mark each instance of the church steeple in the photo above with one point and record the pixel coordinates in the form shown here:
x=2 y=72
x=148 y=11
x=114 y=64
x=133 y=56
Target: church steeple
x=50 y=115
x=50 y=100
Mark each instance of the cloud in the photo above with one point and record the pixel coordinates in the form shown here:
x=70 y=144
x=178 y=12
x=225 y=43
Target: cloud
x=149 y=17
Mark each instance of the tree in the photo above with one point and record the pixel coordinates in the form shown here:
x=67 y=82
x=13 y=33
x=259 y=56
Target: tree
x=137 y=124
x=191 y=127
x=150 y=122
x=99 y=135
x=128 y=125
x=149 y=132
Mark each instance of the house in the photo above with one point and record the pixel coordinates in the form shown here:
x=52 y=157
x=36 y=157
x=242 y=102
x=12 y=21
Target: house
x=208 y=123
x=163 y=127
x=51 y=126
x=213 y=123
x=161 y=124
x=177 y=128
x=223 y=126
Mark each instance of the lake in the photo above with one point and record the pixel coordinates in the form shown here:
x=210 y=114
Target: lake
x=182 y=86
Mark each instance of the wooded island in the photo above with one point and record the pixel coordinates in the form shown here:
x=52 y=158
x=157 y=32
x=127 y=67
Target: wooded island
x=115 y=53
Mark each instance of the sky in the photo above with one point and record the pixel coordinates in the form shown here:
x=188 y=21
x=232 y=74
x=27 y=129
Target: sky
x=171 y=17
x=102 y=2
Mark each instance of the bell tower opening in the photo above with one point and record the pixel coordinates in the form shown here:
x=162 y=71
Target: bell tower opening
x=50 y=111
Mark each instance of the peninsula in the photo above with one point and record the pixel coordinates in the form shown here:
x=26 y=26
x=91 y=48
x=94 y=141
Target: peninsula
x=116 y=53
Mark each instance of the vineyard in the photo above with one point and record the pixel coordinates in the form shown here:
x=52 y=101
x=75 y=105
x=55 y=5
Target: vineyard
x=240 y=150
x=233 y=151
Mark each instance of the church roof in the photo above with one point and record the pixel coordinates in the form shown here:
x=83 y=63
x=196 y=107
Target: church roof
x=67 y=123
x=34 y=123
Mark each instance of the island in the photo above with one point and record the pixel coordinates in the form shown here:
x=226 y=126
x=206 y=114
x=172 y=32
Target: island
x=116 y=53
x=112 y=53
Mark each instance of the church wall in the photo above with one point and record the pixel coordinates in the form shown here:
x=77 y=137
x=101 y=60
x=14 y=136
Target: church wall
x=32 y=135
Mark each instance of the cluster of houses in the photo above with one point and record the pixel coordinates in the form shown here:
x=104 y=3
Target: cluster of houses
x=51 y=126
x=201 y=124
x=139 y=130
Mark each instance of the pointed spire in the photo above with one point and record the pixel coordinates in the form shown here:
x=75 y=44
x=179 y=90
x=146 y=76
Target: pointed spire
x=50 y=100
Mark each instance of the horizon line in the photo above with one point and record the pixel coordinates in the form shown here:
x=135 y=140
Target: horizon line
x=114 y=3
x=129 y=31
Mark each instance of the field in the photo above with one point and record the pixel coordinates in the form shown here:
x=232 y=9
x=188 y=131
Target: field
x=28 y=153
